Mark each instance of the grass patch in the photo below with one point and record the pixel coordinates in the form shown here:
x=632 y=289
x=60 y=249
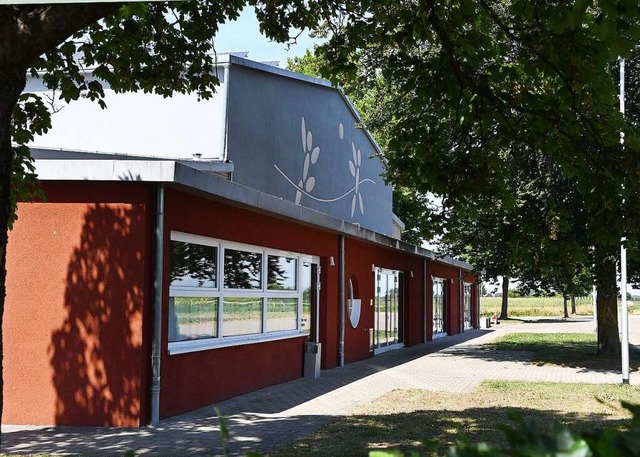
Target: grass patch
x=403 y=418
x=541 y=306
x=576 y=350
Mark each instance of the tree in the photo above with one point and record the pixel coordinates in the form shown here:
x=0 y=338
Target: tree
x=488 y=85
x=161 y=47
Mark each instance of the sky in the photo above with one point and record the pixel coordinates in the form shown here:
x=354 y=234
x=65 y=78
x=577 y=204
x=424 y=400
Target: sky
x=244 y=35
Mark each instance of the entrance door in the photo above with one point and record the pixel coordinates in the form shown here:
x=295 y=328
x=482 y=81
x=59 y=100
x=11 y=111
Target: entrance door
x=467 y=306
x=439 y=308
x=388 y=311
x=309 y=322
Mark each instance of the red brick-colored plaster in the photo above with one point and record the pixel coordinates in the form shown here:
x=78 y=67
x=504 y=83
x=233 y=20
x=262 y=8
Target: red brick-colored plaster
x=84 y=256
x=453 y=306
x=76 y=290
x=200 y=378
x=359 y=258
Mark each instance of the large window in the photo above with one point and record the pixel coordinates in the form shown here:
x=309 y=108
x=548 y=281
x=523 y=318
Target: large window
x=225 y=293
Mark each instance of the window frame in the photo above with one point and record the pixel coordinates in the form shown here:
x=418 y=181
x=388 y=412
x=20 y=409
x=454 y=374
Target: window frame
x=220 y=292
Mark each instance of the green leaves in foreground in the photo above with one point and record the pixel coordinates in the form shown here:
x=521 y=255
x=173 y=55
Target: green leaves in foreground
x=526 y=439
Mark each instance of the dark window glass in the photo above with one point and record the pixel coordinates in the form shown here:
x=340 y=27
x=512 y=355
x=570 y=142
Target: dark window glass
x=242 y=269
x=193 y=265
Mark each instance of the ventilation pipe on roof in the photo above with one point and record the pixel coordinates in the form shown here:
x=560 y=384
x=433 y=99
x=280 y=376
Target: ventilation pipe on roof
x=157 y=309
x=225 y=125
x=342 y=303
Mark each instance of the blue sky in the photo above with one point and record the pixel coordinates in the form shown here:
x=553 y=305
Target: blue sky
x=244 y=35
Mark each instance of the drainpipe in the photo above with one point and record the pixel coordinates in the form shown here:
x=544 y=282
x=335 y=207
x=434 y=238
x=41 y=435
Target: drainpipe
x=157 y=309
x=342 y=303
x=424 y=301
x=460 y=302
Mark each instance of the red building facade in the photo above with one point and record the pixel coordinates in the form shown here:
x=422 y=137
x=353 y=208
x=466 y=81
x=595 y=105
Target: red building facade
x=80 y=303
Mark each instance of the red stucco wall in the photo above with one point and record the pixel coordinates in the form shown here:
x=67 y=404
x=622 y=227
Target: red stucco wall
x=359 y=258
x=79 y=307
x=453 y=305
x=76 y=287
x=201 y=378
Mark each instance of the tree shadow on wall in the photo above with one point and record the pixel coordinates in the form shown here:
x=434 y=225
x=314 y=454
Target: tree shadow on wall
x=95 y=356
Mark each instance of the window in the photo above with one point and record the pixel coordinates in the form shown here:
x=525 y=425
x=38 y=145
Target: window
x=224 y=293
x=242 y=269
x=282 y=272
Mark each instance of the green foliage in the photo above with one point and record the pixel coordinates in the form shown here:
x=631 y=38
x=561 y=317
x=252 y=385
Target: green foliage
x=528 y=439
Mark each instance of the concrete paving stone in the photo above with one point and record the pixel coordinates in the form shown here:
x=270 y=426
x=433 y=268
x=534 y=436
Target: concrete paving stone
x=277 y=415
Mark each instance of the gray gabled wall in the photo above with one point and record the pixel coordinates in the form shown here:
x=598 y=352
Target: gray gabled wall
x=297 y=140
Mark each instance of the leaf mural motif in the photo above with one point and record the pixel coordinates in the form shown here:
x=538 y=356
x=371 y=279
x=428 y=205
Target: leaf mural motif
x=353 y=149
x=310 y=183
x=309 y=140
x=299 y=193
x=353 y=205
x=361 y=203
x=304 y=136
x=305 y=170
x=352 y=168
x=359 y=158
x=315 y=154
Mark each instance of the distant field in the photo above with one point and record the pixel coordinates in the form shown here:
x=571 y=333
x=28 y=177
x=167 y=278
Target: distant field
x=540 y=306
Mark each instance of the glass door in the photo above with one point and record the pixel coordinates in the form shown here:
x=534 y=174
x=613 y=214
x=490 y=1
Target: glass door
x=388 y=310
x=439 y=300
x=309 y=322
x=467 y=306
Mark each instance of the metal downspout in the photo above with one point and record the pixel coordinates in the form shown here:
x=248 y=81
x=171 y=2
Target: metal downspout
x=157 y=309
x=461 y=315
x=424 y=300
x=342 y=303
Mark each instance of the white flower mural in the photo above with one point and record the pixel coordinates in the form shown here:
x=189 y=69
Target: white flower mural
x=307 y=184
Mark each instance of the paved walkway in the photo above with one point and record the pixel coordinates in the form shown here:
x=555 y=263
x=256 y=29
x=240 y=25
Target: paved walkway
x=274 y=416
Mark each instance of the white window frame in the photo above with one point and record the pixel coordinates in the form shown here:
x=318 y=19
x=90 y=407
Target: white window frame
x=220 y=292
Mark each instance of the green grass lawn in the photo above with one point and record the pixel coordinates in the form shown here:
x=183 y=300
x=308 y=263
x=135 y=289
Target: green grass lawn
x=577 y=350
x=402 y=419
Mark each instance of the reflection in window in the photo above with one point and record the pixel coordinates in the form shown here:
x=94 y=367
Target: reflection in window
x=242 y=269
x=193 y=265
x=282 y=314
x=242 y=315
x=281 y=273
x=192 y=318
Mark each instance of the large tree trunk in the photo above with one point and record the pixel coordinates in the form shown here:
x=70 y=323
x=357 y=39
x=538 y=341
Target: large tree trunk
x=504 y=312
x=565 y=300
x=573 y=304
x=11 y=85
x=607 y=301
